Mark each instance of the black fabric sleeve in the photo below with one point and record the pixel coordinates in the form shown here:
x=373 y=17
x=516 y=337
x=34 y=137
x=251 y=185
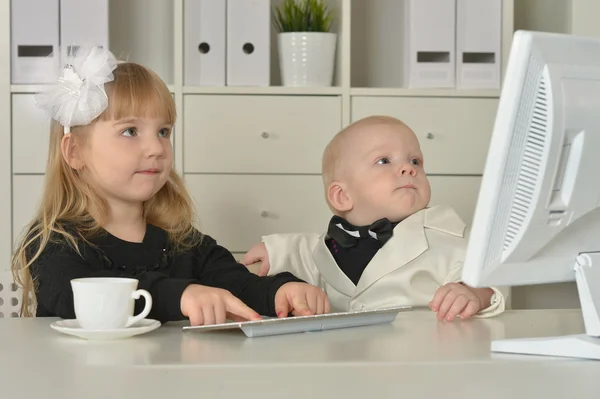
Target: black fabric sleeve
x=216 y=267
x=59 y=263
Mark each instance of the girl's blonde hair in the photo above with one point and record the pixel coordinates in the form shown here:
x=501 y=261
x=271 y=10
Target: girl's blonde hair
x=63 y=213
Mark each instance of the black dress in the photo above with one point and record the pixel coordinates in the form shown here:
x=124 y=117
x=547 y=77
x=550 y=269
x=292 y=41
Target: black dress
x=164 y=273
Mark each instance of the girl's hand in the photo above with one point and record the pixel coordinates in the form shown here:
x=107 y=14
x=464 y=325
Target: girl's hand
x=258 y=253
x=300 y=299
x=207 y=305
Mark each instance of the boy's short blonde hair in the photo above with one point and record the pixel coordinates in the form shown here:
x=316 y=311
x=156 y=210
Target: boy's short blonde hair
x=333 y=160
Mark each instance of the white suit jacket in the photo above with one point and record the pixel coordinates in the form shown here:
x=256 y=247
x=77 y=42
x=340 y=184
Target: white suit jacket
x=425 y=252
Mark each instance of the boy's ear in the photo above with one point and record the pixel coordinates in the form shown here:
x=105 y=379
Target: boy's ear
x=338 y=197
x=71 y=151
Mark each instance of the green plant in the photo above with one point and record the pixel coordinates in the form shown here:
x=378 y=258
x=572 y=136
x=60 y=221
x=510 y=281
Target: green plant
x=302 y=16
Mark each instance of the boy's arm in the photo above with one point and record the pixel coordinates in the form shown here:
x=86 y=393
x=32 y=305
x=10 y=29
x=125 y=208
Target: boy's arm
x=497 y=302
x=293 y=253
x=496 y=299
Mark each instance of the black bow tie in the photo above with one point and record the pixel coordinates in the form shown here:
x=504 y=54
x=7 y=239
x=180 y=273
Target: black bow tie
x=347 y=235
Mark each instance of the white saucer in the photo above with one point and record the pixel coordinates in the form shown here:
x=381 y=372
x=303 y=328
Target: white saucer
x=71 y=327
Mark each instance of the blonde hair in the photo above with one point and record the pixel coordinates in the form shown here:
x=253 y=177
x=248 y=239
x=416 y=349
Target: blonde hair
x=135 y=91
x=333 y=161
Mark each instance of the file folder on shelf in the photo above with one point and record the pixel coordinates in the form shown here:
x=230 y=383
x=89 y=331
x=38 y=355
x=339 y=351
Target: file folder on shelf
x=248 y=42
x=478 y=44
x=79 y=28
x=204 y=42
x=430 y=53
x=34 y=41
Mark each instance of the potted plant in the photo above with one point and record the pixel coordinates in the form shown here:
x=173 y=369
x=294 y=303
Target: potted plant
x=306 y=47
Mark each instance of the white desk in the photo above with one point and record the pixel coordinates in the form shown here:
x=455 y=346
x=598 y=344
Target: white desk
x=416 y=356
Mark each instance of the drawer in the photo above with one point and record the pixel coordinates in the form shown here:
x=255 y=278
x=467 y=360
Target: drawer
x=238 y=209
x=454 y=132
x=258 y=134
x=27 y=194
x=30 y=135
x=459 y=192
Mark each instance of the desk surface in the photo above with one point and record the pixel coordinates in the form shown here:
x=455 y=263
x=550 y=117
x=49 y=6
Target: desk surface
x=416 y=355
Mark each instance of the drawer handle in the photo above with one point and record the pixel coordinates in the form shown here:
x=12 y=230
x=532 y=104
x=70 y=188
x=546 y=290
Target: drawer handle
x=430 y=136
x=264 y=135
x=264 y=214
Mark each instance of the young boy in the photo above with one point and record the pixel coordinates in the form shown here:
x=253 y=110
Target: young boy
x=383 y=246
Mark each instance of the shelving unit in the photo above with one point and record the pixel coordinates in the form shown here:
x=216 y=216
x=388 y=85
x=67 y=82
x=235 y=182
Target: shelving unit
x=269 y=182
x=401 y=92
x=267 y=90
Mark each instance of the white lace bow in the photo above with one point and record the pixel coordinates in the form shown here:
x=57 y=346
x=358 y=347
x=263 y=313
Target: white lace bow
x=79 y=96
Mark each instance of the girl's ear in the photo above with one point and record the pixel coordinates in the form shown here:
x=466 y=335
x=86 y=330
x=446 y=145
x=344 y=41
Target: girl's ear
x=337 y=195
x=71 y=151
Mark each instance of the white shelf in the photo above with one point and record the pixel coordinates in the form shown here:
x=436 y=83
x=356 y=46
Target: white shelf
x=400 y=92
x=32 y=89
x=264 y=90
x=23 y=89
x=364 y=59
x=150 y=32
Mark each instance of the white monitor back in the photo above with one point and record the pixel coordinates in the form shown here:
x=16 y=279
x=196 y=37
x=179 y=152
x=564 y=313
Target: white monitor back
x=539 y=202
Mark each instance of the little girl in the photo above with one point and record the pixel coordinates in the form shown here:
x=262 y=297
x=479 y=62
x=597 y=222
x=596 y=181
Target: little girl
x=114 y=207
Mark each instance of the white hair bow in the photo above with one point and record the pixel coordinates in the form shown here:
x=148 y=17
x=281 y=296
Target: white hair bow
x=79 y=96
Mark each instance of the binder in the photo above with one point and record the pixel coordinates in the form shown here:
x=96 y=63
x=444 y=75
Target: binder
x=82 y=23
x=478 y=44
x=204 y=42
x=430 y=51
x=248 y=42
x=34 y=41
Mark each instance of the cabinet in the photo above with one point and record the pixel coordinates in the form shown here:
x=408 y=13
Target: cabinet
x=251 y=156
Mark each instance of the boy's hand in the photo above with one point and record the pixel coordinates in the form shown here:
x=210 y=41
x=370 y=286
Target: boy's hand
x=456 y=299
x=258 y=253
x=300 y=299
x=207 y=305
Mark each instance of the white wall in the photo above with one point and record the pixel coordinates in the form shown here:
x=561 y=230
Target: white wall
x=579 y=17
x=544 y=15
x=584 y=17
x=142 y=31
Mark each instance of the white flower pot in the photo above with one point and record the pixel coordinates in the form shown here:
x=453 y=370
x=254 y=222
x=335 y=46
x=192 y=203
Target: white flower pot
x=306 y=58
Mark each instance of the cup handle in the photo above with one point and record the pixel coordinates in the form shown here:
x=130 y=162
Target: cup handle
x=147 y=306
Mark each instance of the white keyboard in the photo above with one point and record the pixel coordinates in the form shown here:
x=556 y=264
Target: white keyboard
x=290 y=325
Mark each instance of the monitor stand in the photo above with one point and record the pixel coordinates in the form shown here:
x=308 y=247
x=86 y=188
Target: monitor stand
x=585 y=346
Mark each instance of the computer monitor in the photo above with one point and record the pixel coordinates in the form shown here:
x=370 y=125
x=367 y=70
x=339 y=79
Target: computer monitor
x=537 y=218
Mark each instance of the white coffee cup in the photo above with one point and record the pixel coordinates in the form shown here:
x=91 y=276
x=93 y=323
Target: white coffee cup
x=107 y=303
